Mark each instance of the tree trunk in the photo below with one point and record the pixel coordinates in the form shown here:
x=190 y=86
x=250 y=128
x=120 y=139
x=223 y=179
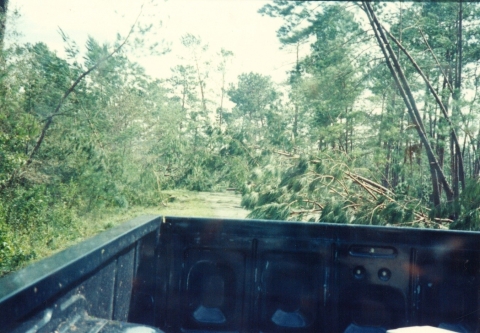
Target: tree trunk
x=476 y=163
x=3 y=22
x=200 y=84
x=220 y=111
x=458 y=173
x=346 y=130
x=295 y=117
x=386 y=174
x=295 y=125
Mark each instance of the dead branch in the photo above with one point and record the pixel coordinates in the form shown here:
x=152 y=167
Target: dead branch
x=285 y=154
x=365 y=187
x=337 y=192
x=313 y=202
x=436 y=60
x=370 y=182
x=305 y=211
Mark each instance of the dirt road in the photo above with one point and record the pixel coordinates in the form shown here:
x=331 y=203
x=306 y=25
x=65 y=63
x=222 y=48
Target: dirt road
x=223 y=204
x=204 y=204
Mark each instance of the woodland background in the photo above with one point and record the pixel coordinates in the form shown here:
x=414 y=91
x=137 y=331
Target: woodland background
x=378 y=124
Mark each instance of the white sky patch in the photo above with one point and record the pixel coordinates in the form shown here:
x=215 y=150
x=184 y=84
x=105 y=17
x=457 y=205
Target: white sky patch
x=234 y=25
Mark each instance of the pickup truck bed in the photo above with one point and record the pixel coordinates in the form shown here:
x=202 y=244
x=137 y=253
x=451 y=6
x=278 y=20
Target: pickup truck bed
x=191 y=275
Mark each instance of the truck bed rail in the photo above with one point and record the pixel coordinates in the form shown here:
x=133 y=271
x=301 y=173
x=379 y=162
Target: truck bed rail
x=211 y=275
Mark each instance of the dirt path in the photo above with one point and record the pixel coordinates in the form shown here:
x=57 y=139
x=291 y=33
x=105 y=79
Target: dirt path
x=225 y=204
x=204 y=204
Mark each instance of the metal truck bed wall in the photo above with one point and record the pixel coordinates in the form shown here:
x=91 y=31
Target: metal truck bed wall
x=204 y=275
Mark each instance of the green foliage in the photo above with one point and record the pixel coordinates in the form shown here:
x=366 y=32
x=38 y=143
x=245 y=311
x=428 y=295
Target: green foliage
x=296 y=170
x=271 y=211
x=469 y=203
x=377 y=141
x=250 y=200
x=328 y=188
x=89 y=157
x=334 y=212
x=32 y=219
x=253 y=95
x=256 y=102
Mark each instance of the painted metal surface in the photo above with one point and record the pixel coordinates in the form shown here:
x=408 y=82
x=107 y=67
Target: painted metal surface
x=202 y=275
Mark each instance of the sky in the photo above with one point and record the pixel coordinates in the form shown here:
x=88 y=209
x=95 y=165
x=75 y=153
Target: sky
x=234 y=25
